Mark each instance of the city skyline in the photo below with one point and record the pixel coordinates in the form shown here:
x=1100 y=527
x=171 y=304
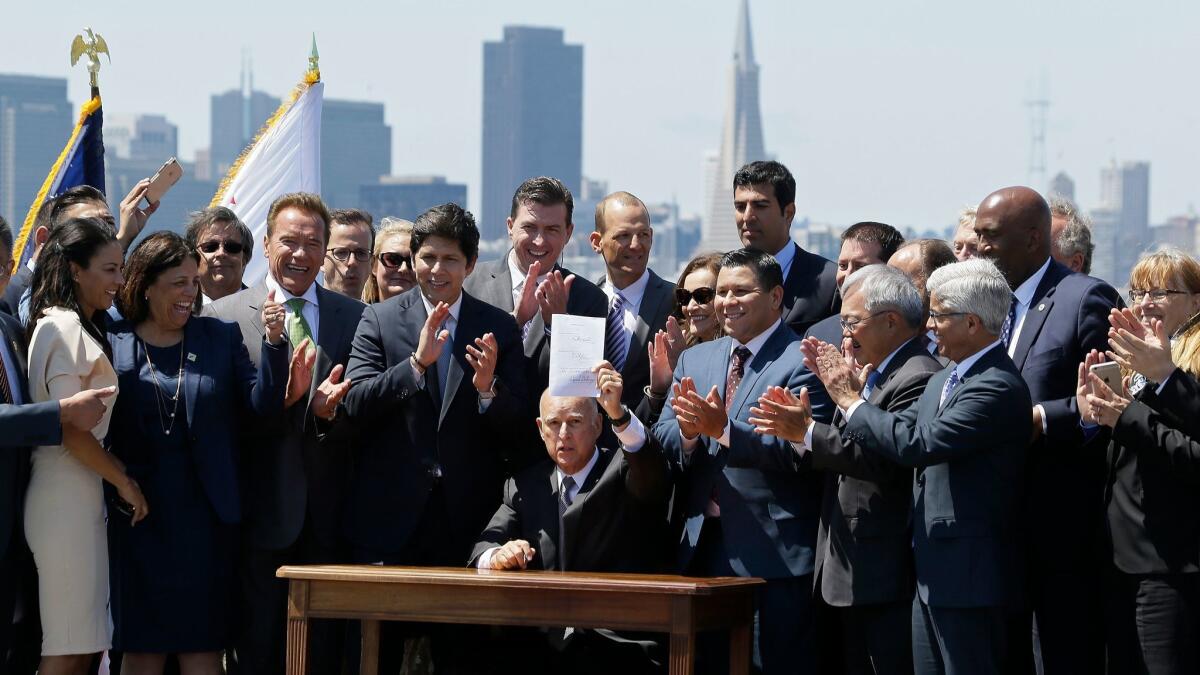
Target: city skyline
x=899 y=114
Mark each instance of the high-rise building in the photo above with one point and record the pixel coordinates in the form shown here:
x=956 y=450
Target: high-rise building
x=237 y=115
x=741 y=140
x=1106 y=225
x=35 y=121
x=532 y=117
x=356 y=150
x=1062 y=185
x=1121 y=226
x=407 y=196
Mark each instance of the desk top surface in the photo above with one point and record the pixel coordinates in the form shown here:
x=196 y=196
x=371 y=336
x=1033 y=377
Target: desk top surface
x=529 y=579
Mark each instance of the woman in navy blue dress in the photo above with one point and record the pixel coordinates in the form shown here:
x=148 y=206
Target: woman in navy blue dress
x=190 y=390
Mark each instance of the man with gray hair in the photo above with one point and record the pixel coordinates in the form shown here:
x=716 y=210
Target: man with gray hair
x=864 y=568
x=1070 y=235
x=225 y=245
x=966 y=437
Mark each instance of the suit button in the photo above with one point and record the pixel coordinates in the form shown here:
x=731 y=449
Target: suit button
x=921 y=480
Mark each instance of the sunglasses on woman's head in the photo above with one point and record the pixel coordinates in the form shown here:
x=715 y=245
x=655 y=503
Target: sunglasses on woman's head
x=703 y=296
x=231 y=247
x=392 y=260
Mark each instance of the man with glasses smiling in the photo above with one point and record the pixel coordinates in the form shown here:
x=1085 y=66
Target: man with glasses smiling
x=348 y=254
x=225 y=245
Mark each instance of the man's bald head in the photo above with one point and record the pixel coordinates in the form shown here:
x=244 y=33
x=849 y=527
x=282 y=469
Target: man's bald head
x=1013 y=226
x=617 y=200
x=569 y=426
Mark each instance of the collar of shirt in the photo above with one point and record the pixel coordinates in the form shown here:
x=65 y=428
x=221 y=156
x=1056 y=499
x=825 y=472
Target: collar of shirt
x=884 y=364
x=580 y=476
x=963 y=367
x=785 y=258
x=757 y=342
x=518 y=277
x=30 y=263
x=452 y=322
x=1028 y=287
x=633 y=293
x=310 y=295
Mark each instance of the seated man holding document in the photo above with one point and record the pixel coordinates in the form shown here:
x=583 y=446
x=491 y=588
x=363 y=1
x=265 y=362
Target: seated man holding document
x=587 y=509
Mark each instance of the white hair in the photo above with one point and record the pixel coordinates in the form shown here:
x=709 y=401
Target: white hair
x=886 y=288
x=976 y=287
x=1076 y=235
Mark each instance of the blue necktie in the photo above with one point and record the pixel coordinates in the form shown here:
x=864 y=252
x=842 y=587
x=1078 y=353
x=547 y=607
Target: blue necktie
x=1010 y=322
x=872 y=380
x=443 y=362
x=564 y=500
x=615 y=344
x=948 y=388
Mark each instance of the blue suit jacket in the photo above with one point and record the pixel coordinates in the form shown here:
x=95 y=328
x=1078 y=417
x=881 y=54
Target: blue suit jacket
x=410 y=442
x=970 y=458
x=1067 y=317
x=21 y=427
x=222 y=392
x=769 y=511
x=809 y=291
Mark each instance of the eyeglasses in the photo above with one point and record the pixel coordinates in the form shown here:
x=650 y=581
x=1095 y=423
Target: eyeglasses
x=1156 y=294
x=231 y=247
x=392 y=260
x=702 y=296
x=941 y=315
x=343 y=254
x=851 y=325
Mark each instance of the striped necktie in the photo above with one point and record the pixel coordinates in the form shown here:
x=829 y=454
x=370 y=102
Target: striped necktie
x=616 y=344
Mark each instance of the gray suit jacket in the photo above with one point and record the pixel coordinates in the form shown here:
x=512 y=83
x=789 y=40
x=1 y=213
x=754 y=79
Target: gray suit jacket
x=304 y=467
x=864 y=544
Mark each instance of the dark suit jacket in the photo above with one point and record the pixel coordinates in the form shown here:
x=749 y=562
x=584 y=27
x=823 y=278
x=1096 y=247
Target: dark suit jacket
x=17 y=286
x=1067 y=317
x=492 y=282
x=21 y=427
x=1153 y=490
x=657 y=304
x=864 y=546
x=611 y=526
x=969 y=456
x=303 y=468
x=809 y=291
x=410 y=442
x=768 y=511
x=223 y=394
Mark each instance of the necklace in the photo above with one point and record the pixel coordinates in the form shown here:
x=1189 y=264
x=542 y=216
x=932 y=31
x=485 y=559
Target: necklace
x=166 y=419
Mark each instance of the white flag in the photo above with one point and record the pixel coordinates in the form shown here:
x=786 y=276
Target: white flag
x=285 y=157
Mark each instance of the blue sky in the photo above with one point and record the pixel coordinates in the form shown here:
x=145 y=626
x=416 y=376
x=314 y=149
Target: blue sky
x=898 y=111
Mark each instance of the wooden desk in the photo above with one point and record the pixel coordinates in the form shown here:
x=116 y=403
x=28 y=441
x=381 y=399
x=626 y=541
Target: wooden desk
x=680 y=606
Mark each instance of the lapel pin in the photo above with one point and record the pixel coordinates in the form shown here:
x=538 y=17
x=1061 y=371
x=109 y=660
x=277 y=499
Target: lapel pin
x=191 y=357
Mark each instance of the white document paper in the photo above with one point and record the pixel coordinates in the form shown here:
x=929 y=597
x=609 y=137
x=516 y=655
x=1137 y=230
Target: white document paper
x=576 y=346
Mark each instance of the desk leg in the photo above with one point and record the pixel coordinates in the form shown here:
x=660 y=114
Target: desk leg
x=739 y=649
x=683 y=653
x=297 y=628
x=369 y=659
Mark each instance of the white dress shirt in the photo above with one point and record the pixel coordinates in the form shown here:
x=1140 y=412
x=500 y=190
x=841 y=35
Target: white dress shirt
x=632 y=438
x=633 y=294
x=311 y=311
x=1024 y=296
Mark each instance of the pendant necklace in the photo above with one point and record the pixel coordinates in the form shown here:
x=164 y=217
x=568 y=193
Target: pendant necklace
x=166 y=419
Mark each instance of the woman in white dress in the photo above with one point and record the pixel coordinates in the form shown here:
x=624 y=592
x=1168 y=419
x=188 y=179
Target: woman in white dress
x=77 y=275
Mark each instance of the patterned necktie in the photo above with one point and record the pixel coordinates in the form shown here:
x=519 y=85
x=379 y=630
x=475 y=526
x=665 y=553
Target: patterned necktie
x=872 y=380
x=5 y=386
x=616 y=346
x=297 y=327
x=1010 y=323
x=564 y=500
x=740 y=356
x=948 y=388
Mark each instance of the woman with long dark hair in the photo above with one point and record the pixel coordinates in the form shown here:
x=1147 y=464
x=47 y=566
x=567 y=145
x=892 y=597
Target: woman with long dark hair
x=77 y=276
x=190 y=390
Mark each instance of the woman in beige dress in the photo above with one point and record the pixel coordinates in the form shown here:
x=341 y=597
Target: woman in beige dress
x=78 y=273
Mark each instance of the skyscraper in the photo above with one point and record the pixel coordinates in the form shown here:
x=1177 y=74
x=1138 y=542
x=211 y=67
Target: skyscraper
x=407 y=196
x=741 y=140
x=35 y=121
x=532 y=117
x=237 y=115
x=356 y=150
x=1062 y=185
x=1122 y=223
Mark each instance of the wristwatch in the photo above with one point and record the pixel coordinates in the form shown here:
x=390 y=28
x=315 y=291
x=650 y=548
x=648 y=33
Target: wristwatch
x=623 y=419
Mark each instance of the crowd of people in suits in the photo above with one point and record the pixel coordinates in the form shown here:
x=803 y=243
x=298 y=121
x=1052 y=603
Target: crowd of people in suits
x=916 y=446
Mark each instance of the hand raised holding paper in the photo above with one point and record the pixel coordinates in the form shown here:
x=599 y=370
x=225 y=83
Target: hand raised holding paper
x=609 y=381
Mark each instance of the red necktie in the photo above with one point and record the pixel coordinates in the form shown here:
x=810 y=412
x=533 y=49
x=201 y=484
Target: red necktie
x=5 y=388
x=740 y=356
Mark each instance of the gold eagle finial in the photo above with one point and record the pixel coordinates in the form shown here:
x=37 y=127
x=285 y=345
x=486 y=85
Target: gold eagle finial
x=92 y=46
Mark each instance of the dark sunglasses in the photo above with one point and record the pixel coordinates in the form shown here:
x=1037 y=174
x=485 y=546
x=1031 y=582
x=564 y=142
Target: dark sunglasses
x=231 y=247
x=702 y=295
x=392 y=260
